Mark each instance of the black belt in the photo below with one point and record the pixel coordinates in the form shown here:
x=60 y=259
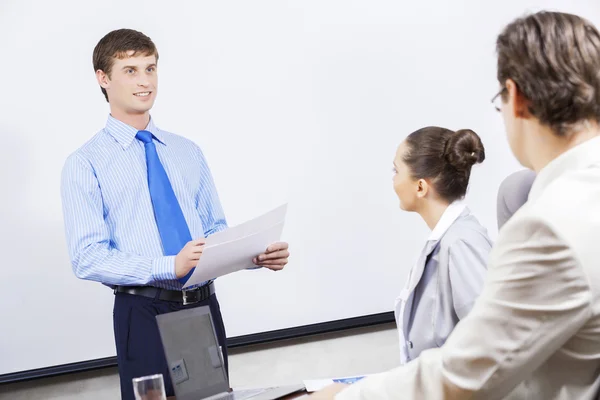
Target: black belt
x=179 y=296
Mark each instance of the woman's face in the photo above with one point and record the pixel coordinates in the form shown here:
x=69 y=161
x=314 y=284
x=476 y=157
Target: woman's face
x=406 y=188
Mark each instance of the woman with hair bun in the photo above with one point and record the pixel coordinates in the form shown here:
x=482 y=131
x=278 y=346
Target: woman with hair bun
x=431 y=175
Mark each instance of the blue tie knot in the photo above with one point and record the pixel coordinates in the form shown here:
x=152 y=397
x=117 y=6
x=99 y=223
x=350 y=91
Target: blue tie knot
x=144 y=136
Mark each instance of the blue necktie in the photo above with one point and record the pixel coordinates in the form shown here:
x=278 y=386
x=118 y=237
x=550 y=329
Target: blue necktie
x=174 y=231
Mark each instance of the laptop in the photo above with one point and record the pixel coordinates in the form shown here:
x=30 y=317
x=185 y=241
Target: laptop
x=196 y=363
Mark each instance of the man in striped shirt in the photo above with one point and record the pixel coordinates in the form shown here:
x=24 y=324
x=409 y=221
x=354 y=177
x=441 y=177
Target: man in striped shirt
x=112 y=219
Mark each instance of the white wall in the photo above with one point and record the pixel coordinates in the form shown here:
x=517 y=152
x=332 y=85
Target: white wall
x=299 y=101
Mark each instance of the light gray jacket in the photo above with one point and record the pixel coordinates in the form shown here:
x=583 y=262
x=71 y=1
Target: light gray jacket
x=444 y=283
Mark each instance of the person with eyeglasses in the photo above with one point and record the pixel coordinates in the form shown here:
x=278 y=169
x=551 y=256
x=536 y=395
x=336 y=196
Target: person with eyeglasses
x=534 y=331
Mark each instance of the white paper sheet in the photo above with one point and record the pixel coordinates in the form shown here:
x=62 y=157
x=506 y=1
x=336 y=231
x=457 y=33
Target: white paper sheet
x=314 y=385
x=248 y=228
x=233 y=249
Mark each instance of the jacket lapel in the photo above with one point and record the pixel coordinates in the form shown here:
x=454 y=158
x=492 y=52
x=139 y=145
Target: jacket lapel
x=417 y=271
x=415 y=277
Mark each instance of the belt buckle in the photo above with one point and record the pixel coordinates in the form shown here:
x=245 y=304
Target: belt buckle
x=190 y=296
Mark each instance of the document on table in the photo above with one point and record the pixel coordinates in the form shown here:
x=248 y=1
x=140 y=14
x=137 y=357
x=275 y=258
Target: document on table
x=315 y=385
x=233 y=249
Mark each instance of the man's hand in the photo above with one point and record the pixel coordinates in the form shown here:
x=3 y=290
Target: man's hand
x=329 y=392
x=275 y=258
x=188 y=257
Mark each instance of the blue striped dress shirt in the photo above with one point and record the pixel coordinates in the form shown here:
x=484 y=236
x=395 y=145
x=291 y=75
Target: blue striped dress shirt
x=110 y=228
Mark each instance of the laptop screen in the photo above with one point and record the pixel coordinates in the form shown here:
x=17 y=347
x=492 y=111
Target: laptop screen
x=193 y=355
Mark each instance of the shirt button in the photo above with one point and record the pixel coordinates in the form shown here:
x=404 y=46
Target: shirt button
x=409 y=344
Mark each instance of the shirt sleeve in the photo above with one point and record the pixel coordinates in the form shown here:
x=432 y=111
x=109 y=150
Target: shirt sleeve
x=535 y=298
x=208 y=203
x=88 y=240
x=467 y=264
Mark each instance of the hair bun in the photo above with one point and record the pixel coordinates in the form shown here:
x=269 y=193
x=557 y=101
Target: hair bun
x=464 y=149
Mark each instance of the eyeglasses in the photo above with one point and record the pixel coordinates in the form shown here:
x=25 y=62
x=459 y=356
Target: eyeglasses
x=497 y=100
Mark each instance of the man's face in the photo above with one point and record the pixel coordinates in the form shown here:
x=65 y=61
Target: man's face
x=132 y=85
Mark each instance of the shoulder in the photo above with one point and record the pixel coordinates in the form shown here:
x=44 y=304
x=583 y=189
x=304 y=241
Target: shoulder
x=512 y=194
x=558 y=227
x=566 y=208
x=174 y=138
x=575 y=193
x=83 y=157
x=545 y=249
x=523 y=178
x=466 y=231
x=181 y=143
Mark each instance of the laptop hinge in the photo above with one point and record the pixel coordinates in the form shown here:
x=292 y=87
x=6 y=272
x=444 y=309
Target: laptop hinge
x=219 y=396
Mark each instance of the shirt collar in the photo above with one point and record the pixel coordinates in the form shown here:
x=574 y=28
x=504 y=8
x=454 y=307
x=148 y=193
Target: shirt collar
x=579 y=157
x=125 y=134
x=451 y=214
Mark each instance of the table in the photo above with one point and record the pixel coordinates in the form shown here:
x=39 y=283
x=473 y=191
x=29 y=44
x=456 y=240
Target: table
x=288 y=397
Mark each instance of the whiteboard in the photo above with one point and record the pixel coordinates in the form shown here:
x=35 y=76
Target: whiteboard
x=292 y=101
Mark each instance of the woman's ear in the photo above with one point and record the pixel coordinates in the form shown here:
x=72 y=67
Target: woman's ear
x=422 y=188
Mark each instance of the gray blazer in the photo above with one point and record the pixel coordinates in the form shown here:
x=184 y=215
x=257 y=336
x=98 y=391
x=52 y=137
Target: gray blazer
x=443 y=285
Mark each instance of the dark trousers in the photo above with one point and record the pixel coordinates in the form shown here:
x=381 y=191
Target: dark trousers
x=139 y=348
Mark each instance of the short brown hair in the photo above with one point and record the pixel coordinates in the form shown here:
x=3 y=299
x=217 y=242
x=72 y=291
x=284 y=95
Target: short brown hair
x=445 y=157
x=554 y=59
x=119 y=44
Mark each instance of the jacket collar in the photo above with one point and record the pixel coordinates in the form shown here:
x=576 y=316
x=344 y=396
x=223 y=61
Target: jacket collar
x=579 y=157
x=451 y=214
